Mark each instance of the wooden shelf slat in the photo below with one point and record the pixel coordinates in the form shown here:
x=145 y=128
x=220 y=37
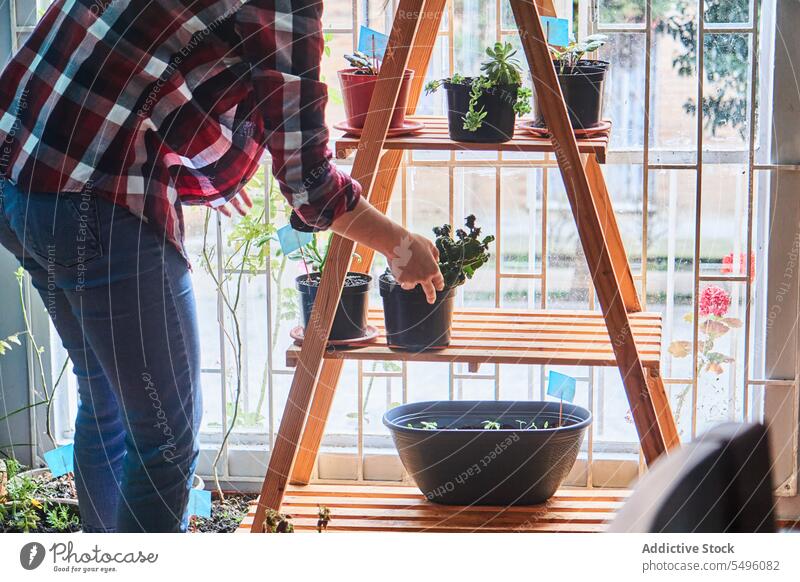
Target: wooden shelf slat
x=404 y=508
x=508 y=336
x=435 y=137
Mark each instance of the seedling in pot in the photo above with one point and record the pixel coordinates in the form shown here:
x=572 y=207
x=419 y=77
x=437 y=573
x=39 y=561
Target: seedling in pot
x=582 y=82
x=314 y=256
x=364 y=64
x=350 y=321
x=358 y=83
x=569 y=56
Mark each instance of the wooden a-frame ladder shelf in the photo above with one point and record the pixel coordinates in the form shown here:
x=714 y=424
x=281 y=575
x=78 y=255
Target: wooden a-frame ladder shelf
x=511 y=336
x=619 y=335
x=435 y=137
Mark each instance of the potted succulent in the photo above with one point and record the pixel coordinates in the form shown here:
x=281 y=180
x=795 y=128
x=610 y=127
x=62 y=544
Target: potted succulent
x=350 y=321
x=484 y=108
x=488 y=452
x=581 y=82
x=358 y=84
x=411 y=322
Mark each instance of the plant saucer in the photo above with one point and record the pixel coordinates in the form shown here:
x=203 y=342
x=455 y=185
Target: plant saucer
x=598 y=130
x=409 y=126
x=298 y=334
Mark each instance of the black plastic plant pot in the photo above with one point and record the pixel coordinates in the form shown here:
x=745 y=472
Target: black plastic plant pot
x=350 y=321
x=411 y=322
x=497 y=102
x=582 y=87
x=457 y=461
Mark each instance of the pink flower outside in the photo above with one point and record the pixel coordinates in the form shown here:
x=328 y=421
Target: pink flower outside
x=714 y=300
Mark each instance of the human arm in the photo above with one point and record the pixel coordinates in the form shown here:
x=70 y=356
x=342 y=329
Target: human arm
x=413 y=259
x=285 y=49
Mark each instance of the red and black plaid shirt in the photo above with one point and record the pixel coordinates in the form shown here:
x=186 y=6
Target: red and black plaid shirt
x=155 y=103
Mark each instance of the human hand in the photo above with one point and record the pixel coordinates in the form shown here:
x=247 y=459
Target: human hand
x=236 y=203
x=415 y=261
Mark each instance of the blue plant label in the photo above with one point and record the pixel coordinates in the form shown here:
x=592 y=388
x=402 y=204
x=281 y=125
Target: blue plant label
x=200 y=503
x=60 y=460
x=292 y=239
x=561 y=386
x=366 y=37
x=557 y=30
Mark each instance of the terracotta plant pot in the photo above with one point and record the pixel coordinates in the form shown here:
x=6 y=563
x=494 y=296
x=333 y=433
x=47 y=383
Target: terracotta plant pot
x=357 y=92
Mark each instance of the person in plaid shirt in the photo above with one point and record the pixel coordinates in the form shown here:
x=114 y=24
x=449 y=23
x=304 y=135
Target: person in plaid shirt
x=113 y=115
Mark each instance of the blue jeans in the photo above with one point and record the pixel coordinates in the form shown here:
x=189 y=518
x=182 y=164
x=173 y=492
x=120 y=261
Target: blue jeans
x=122 y=302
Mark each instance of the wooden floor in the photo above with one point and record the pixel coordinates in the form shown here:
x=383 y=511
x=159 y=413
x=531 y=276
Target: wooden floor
x=513 y=336
x=384 y=508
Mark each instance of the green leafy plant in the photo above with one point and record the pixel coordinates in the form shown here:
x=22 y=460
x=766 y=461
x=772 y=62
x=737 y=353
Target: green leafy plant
x=8 y=344
x=501 y=68
x=460 y=257
x=61 y=518
x=364 y=64
x=20 y=510
x=315 y=253
x=567 y=57
x=425 y=425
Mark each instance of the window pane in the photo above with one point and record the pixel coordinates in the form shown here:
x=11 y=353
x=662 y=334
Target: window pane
x=476 y=31
x=726 y=95
x=621 y=11
x=623 y=102
x=670 y=263
x=521 y=220
x=727 y=11
x=674 y=77
x=337 y=14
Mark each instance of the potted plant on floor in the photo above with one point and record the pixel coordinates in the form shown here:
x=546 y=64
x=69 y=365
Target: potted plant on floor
x=484 y=108
x=411 y=322
x=488 y=452
x=350 y=321
x=581 y=82
x=28 y=505
x=358 y=84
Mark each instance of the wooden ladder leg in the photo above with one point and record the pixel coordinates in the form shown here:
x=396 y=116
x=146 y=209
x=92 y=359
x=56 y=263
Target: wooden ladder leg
x=287 y=441
x=630 y=295
x=608 y=221
x=590 y=229
x=332 y=367
x=381 y=194
x=666 y=420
